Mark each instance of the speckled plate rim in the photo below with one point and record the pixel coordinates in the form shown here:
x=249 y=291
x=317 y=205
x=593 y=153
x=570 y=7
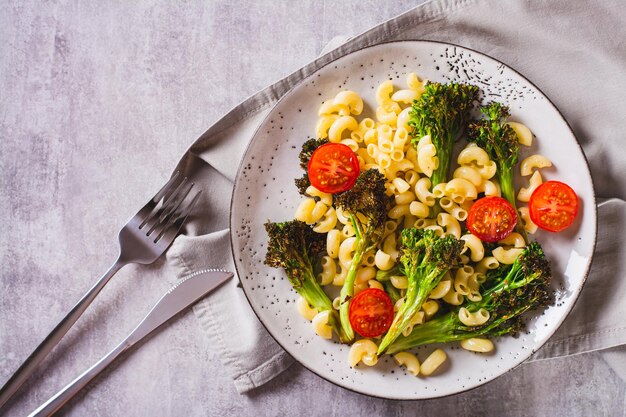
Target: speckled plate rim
x=588 y=172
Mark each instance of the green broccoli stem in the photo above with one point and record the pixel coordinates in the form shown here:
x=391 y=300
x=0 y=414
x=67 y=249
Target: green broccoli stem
x=448 y=328
x=437 y=330
x=505 y=176
x=347 y=290
x=416 y=293
x=313 y=293
x=393 y=292
x=441 y=173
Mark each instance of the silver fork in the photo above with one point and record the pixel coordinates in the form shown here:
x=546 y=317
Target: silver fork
x=142 y=240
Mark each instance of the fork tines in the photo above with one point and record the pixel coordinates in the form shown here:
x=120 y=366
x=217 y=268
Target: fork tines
x=167 y=211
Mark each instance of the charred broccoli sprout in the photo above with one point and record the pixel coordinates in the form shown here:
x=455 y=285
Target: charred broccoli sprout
x=297 y=249
x=366 y=205
x=425 y=259
x=508 y=292
x=308 y=148
x=495 y=136
x=442 y=112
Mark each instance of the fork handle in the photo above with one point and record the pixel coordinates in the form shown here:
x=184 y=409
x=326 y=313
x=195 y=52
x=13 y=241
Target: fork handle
x=35 y=358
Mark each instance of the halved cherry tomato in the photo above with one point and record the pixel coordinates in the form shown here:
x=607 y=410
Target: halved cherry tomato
x=553 y=206
x=333 y=168
x=491 y=219
x=371 y=312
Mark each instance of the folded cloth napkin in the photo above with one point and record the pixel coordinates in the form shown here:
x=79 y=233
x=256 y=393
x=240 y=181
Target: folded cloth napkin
x=575 y=50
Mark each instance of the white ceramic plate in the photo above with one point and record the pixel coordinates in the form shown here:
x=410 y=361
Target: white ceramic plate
x=264 y=190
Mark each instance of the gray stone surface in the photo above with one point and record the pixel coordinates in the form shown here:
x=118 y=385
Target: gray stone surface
x=97 y=103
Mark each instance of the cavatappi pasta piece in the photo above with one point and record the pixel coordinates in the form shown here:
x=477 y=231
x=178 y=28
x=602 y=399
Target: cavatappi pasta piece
x=343 y=123
x=490 y=188
x=460 y=189
x=398 y=211
x=409 y=361
x=533 y=162
x=444 y=287
x=321 y=326
x=369 y=258
x=398 y=304
x=468 y=173
x=365 y=274
x=475 y=246
x=340 y=278
x=336 y=303
x=427 y=159
x=414 y=83
x=451 y=225
x=304 y=210
x=453 y=298
x=399 y=281
x=372 y=283
x=383 y=261
x=383 y=92
x=524 y=135
x=405 y=197
x=418 y=318
x=319 y=209
x=363 y=350
x=424 y=223
x=386 y=116
x=422 y=192
x=347 y=231
x=439 y=190
x=390 y=246
x=452 y=208
x=525 y=192
x=350 y=99
x=514 y=239
x=488 y=170
x=346 y=250
x=488 y=262
x=402 y=122
x=333 y=240
x=430 y=308
x=528 y=224
x=327 y=223
x=330 y=107
x=342 y=218
x=506 y=256
x=432 y=362
x=477 y=344
x=472 y=154
x=401 y=185
x=329 y=270
x=476 y=318
x=461 y=279
x=419 y=209
x=305 y=309
x=324 y=197
x=405 y=96
x=366 y=124
x=323 y=125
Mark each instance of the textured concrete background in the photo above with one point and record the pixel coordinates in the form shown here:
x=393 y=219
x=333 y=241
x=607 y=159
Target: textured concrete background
x=96 y=106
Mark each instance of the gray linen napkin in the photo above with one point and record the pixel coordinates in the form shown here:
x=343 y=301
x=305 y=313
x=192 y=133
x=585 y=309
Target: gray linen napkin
x=575 y=50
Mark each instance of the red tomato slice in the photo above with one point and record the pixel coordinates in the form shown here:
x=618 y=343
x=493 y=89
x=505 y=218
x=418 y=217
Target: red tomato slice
x=371 y=312
x=491 y=219
x=553 y=206
x=333 y=168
